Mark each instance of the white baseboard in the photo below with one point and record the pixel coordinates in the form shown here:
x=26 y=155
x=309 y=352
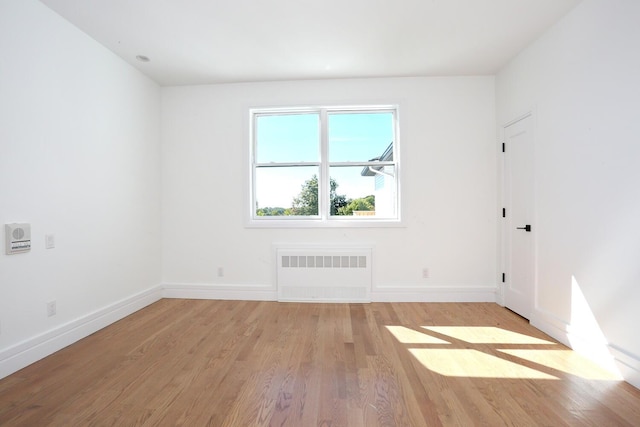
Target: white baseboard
x=33 y=349
x=551 y=326
x=627 y=364
x=609 y=356
x=378 y=294
x=434 y=294
x=219 y=292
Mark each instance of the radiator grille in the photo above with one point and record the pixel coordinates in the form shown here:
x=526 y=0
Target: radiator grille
x=326 y=275
x=324 y=261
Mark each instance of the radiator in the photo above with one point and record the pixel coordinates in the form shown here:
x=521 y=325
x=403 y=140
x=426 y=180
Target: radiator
x=324 y=274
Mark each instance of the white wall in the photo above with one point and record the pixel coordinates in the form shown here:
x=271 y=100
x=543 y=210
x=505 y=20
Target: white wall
x=582 y=82
x=79 y=158
x=449 y=171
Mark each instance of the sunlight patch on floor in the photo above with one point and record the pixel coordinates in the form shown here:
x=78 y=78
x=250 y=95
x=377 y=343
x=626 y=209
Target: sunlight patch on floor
x=473 y=364
x=410 y=336
x=486 y=335
x=566 y=361
x=481 y=363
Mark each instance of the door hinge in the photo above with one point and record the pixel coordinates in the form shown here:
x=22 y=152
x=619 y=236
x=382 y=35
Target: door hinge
x=504 y=212
x=504 y=277
x=503 y=147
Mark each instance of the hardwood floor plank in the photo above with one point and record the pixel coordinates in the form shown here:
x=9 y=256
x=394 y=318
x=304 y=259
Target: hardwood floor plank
x=252 y=363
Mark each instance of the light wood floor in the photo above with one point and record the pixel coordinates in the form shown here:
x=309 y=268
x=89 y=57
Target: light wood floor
x=239 y=363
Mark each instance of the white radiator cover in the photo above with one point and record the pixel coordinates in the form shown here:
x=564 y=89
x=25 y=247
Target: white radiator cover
x=324 y=274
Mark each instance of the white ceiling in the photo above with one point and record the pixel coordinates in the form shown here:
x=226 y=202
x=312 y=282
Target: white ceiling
x=222 y=41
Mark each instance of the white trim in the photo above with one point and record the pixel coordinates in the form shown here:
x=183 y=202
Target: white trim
x=323 y=219
x=324 y=245
x=507 y=224
x=219 y=292
x=504 y=202
x=378 y=294
x=501 y=229
x=316 y=222
x=518 y=118
x=627 y=364
x=434 y=293
x=551 y=325
x=582 y=342
x=33 y=349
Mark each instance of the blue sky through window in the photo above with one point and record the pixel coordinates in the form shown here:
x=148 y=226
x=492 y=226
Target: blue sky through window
x=288 y=138
x=357 y=137
x=291 y=138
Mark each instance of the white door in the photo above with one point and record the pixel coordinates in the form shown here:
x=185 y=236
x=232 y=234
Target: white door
x=519 y=290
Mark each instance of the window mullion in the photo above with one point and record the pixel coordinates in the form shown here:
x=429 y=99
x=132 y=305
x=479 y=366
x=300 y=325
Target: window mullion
x=376 y=163
x=324 y=186
x=286 y=164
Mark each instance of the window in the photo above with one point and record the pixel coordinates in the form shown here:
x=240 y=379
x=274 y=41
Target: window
x=329 y=166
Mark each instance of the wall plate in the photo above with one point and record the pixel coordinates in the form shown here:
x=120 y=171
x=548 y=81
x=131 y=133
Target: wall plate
x=17 y=238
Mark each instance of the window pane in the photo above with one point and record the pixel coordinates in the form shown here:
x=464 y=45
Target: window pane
x=286 y=191
x=358 y=137
x=363 y=191
x=287 y=138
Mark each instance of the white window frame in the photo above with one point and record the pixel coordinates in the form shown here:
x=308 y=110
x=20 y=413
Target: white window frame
x=324 y=219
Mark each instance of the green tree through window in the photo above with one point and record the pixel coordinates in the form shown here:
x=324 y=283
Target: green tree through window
x=306 y=203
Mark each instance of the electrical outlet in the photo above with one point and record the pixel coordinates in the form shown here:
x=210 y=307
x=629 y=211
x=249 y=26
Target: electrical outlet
x=49 y=241
x=51 y=308
x=220 y=272
x=425 y=273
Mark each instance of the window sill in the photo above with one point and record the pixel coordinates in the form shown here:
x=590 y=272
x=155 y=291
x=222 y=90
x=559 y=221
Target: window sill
x=320 y=223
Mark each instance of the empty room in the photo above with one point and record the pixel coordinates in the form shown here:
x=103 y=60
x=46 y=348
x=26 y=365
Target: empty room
x=337 y=213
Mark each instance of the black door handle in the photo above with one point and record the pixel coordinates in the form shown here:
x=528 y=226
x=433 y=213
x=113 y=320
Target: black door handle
x=526 y=228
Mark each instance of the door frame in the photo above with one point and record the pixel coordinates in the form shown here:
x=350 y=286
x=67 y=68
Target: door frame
x=504 y=245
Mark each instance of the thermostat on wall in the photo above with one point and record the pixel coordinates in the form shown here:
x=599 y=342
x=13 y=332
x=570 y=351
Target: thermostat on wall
x=17 y=238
